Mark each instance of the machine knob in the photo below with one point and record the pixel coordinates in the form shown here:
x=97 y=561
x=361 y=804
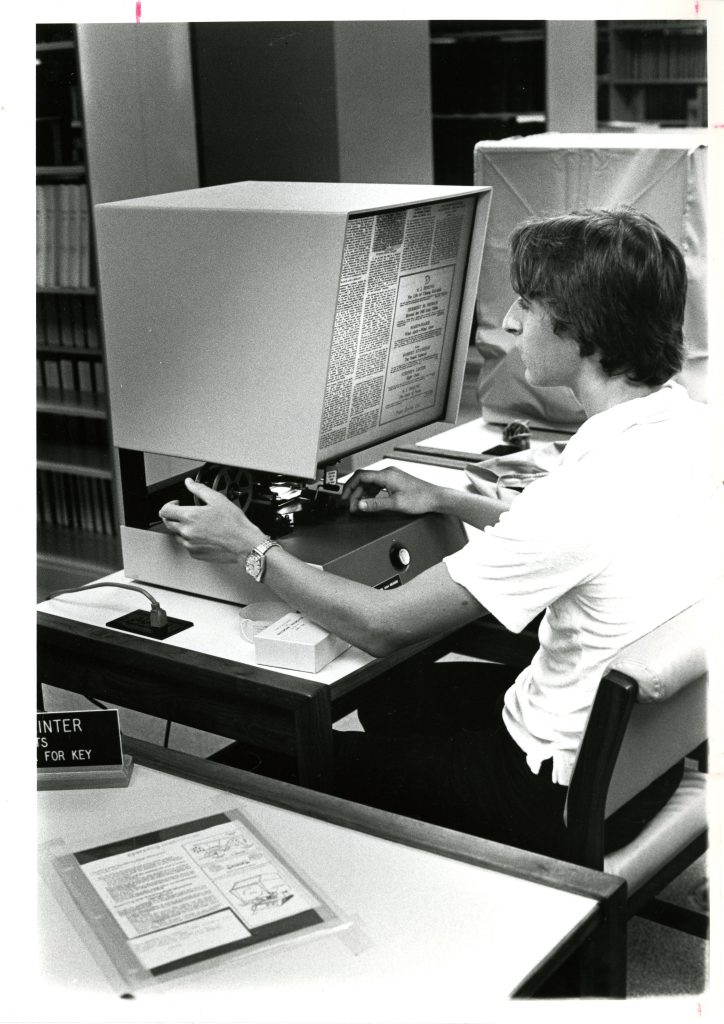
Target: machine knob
x=400 y=557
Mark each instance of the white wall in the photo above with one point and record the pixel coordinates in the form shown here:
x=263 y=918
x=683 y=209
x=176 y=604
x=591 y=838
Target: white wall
x=384 y=113
x=138 y=109
x=571 y=76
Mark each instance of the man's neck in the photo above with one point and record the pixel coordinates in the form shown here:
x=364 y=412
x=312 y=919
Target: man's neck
x=597 y=392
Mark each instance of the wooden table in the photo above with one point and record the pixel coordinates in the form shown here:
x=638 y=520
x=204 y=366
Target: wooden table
x=449 y=925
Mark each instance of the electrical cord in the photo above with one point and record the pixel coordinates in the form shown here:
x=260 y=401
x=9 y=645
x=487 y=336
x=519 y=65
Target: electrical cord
x=157 y=615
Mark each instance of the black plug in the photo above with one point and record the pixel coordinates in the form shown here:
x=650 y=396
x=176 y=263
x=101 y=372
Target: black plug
x=157 y=617
x=154 y=623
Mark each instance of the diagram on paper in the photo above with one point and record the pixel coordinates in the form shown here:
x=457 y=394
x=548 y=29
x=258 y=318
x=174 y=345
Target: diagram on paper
x=257 y=888
x=224 y=846
x=261 y=892
x=225 y=854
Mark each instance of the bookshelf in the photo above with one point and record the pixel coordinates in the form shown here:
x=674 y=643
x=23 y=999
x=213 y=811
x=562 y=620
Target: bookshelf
x=77 y=534
x=652 y=73
x=488 y=82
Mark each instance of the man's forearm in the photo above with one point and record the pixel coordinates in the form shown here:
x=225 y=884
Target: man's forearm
x=377 y=621
x=475 y=509
x=348 y=609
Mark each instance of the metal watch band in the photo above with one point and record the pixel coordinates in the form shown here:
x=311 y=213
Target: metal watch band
x=256 y=559
x=263 y=546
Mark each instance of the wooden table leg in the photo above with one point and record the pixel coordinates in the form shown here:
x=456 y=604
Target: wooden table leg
x=315 y=750
x=603 y=957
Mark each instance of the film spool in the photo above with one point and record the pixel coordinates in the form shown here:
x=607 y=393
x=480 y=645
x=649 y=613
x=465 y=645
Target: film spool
x=236 y=484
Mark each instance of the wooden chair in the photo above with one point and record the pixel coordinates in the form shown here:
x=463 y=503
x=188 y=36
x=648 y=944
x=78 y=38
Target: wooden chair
x=649 y=713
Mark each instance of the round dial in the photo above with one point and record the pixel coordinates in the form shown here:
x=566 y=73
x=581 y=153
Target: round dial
x=400 y=557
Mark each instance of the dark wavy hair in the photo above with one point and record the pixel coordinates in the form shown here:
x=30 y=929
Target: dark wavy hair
x=613 y=281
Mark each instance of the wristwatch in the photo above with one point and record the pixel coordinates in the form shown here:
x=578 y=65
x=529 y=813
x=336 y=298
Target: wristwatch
x=256 y=559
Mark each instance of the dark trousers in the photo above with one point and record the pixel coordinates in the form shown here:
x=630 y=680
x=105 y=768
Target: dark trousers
x=435 y=748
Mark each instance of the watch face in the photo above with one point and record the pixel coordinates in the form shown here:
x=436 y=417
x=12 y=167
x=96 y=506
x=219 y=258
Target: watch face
x=255 y=564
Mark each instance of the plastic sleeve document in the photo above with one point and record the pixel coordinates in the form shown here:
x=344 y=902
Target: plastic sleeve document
x=181 y=895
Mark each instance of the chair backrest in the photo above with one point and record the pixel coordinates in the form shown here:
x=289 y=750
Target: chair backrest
x=649 y=713
x=657 y=736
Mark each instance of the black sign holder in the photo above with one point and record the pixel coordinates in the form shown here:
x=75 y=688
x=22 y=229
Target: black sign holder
x=81 y=750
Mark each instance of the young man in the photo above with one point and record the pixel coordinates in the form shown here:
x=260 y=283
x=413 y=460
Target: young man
x=612 y=543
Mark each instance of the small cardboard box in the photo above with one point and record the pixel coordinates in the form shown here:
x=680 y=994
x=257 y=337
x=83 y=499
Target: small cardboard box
x=295 y=642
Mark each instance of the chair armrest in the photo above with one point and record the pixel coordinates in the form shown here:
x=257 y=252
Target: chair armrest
x=669 y=657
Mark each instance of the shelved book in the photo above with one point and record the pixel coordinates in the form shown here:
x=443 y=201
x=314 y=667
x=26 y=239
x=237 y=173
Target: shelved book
x=62 y=236
x=70 y=379
x=661 y=56
x=67 y=321
x=75 y=502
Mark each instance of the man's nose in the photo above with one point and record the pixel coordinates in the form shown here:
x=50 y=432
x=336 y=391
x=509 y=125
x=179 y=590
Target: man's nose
x=511 y=320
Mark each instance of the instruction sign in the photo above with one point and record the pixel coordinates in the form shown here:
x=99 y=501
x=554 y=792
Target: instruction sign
x=77 y=739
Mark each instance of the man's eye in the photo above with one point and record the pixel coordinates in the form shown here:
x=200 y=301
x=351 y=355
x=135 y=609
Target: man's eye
x=523 y=303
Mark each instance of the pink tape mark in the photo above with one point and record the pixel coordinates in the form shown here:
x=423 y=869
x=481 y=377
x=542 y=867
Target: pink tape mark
x=138 y=12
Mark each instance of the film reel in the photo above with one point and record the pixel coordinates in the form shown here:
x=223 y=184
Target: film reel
x=236 y=484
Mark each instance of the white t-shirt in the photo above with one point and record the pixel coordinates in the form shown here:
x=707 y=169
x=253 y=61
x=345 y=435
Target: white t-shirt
x=623 y=535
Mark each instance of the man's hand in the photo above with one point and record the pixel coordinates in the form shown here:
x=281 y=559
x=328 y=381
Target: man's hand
x=370 y=490
x=217 y=531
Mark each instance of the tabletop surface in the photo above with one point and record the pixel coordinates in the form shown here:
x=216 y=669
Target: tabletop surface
x=216 y=629
x=437 y=938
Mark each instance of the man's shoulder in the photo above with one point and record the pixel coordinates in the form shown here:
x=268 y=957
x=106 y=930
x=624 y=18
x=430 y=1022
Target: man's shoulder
x=665 y=423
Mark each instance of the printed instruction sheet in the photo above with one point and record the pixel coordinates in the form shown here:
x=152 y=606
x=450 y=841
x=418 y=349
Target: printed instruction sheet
x=196 y=890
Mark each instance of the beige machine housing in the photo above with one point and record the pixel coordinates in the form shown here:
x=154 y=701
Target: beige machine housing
x=219 y=311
